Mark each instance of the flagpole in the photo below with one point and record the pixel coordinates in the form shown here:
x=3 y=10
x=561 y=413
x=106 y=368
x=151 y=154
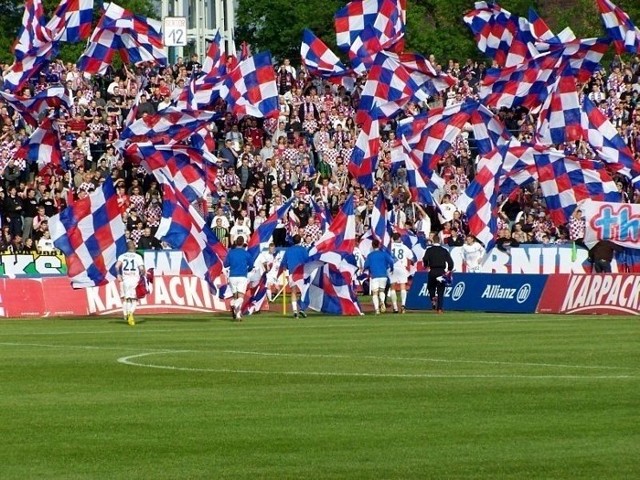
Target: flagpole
x=284 y=295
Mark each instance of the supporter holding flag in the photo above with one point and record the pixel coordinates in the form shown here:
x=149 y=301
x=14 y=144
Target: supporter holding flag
x=239 y=263
x=294 y=257
x=378 y=262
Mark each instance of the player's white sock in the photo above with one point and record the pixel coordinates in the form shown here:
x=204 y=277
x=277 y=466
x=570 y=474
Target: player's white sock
x=403 y=296
x=125 y=307
x=376 y=303
x=294 y=306
x=382 y=297
x=132 y=306
x=237 y=303
x=394 y=299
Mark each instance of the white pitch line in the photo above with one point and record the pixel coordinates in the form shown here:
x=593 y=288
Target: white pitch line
x=128 y=361
x=320 y=355
x=420 y=359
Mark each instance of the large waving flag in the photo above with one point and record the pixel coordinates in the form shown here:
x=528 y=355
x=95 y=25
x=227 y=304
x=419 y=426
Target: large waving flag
x=43 y=146
x=428 y=137
x=262 y=236
x=136 y=38
x=479 y=201
x=511 y=40
x=564 y=180
x=364 y=157
x=605 y=140
x=32 y=108
x=379 y=220
x=169 y=126
x=620 y=29
x=366 y=27
x=341 y=235
x=328 y=290
x=39 y=42
x=73 y=19
x=213 y=62
x=326 y=280
x=559 y=118
x=90 y=233
x=524 y=85
x=186 y=169
x=318 y=58
x=394 y=80
x=500 y=35
x=183 y=228
x=30 y=36
x=250 y=88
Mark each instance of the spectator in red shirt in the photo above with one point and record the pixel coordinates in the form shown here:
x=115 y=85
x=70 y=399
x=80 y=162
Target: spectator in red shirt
x=77 y=124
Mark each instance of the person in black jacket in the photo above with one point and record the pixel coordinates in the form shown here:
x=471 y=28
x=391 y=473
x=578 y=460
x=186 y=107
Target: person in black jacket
x=601 y=255
x=13 y=211
x=438 y=260
x=148 y=241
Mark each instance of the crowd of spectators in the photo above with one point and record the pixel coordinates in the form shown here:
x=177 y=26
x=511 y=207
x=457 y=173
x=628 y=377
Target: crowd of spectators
x=304 y=152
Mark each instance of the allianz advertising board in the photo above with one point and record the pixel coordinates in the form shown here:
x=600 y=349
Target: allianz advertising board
x=482 y=292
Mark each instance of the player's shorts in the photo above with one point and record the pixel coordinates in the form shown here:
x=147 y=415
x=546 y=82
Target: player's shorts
x=378 y=284
x=272 y=280
x=238 y=285
x=128 y=287
x=399 y=275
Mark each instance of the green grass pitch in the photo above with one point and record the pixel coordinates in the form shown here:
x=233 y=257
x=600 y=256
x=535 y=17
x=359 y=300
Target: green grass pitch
x=460 y=395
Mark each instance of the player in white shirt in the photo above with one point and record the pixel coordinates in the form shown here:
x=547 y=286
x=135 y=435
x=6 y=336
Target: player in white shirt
x=403 y=258
x=472 y=253
x=130 y=267
x=264 y=264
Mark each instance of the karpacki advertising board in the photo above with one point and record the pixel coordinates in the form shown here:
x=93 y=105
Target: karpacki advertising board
x=613 y=294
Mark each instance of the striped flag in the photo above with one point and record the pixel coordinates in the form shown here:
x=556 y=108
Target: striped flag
x=91 y=234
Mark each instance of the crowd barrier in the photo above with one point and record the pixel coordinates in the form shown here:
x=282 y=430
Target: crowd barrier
x=54 y=296
x=542 y=259
x=482 y=292
x=548 y=281
x=616 y=293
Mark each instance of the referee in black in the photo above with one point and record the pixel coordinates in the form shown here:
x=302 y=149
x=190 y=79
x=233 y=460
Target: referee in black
x=438 y=260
